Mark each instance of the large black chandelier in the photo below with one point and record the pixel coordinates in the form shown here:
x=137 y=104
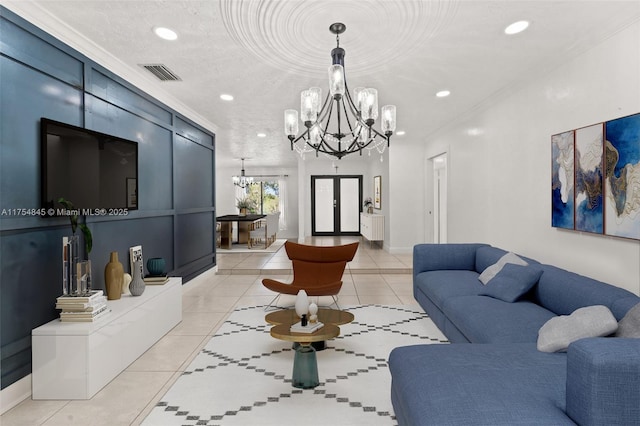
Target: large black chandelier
x=342 y=124
x=242 y=181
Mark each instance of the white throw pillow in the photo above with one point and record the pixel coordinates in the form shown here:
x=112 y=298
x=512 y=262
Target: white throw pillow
x=629 y=326
x=559 y=332
x=492 y=270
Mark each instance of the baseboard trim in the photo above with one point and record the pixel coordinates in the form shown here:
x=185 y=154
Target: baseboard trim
x=14 y=394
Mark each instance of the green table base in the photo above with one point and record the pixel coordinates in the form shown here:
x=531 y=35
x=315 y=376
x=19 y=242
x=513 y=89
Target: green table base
x=305 y=368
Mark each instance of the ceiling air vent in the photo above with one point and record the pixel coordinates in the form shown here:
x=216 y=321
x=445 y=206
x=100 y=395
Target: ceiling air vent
x=162 y=72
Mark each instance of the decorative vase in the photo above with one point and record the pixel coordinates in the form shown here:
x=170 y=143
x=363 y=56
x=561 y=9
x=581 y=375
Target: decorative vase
x=369 y=209
x=84 y=277
x=155 y=266
x=125 y=283
x=113 y=277
x=136 y=287
x=243 y=212
x=70 y=259
x=302 y=303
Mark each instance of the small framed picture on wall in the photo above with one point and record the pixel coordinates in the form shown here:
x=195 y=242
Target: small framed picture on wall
x=132 y=193
x=377 y=192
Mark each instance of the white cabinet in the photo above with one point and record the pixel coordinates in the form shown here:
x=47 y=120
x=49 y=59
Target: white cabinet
x=74 y=360
x=372 y=226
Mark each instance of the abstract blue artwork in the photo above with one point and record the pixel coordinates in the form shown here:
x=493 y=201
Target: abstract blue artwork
x=588 y=184
x=562 y=180
x=622 y=177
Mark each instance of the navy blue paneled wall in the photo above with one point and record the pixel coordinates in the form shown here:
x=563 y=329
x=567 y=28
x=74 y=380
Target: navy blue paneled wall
x=42 y=77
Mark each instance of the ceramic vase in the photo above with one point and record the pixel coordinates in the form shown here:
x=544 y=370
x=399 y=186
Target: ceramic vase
x=302 y=303
x=113 y=277
x=136 y=287
x=155 y=266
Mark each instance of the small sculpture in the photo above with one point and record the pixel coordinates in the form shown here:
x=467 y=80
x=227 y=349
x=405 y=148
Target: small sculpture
x=313 y=313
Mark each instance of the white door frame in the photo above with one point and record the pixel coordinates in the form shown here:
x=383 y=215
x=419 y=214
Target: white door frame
x=436 y=194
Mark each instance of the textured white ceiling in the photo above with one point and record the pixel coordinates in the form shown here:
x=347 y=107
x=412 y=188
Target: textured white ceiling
x=264 y=52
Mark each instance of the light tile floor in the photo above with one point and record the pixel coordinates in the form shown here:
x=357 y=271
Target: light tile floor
x=374 y=276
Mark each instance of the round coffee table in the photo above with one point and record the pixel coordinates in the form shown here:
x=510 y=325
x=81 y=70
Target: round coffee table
x=305 y=364
x=325 y=316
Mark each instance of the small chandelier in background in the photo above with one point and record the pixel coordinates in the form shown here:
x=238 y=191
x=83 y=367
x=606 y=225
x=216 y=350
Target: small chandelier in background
x=351 y=129
x=242 y=181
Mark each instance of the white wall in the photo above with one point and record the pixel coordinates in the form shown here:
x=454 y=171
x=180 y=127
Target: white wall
x=499 y=177
x=403 y=197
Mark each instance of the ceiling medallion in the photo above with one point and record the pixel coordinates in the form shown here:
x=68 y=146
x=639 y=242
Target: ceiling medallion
x=342 y=124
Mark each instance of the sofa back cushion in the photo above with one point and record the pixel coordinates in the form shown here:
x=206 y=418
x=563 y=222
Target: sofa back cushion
x=487 y=256
x=438 y=257
x=562 y=292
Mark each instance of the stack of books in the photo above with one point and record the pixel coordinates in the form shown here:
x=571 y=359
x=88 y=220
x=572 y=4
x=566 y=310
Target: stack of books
x=309 y=328
x=155 y=279
x=87 y=308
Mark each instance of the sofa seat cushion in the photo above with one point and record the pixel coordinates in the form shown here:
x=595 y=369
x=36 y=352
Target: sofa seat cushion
x=442 y=285
x=463 y=384
x=483 y=319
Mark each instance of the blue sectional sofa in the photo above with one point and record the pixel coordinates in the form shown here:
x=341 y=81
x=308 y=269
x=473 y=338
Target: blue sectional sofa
x=493 y=372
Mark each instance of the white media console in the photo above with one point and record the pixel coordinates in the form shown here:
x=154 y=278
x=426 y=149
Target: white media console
x=76 y=360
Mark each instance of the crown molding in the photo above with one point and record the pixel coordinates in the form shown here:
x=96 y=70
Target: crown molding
x=50 y=24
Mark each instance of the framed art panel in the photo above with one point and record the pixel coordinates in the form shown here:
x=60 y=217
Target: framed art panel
x=132 y=193
x=622 y=177
x=562 y=180
x=588 y=165
x=377 y=192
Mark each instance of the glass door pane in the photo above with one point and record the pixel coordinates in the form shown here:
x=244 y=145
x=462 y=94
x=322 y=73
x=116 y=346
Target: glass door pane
x=349 y=205
x=324 y=205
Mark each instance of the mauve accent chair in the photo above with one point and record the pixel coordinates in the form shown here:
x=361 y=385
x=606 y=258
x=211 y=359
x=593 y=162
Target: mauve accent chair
x=317 y=270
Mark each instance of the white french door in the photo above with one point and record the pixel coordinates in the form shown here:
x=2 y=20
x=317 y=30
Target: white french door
x=335 y=205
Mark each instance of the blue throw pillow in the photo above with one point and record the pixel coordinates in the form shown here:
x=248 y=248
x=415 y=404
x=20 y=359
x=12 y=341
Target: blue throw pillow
x=512 y=282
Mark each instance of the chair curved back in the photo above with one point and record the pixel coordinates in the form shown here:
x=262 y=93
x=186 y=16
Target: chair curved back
x=319 y=266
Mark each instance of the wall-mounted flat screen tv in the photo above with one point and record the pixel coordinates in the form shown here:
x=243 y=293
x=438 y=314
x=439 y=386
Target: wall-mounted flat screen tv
x=92 y=170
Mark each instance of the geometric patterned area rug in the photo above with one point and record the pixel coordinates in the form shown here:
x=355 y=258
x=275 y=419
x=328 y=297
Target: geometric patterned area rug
x=243 y=375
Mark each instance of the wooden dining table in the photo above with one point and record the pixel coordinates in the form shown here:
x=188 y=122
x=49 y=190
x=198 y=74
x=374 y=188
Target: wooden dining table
x=226 y=221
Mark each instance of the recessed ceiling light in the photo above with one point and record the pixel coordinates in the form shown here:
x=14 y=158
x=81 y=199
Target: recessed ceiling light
x=226 y=97
x=400 y=132
x=516 y=27
x=165 y=33
x=443 y=93
x=262 y=135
